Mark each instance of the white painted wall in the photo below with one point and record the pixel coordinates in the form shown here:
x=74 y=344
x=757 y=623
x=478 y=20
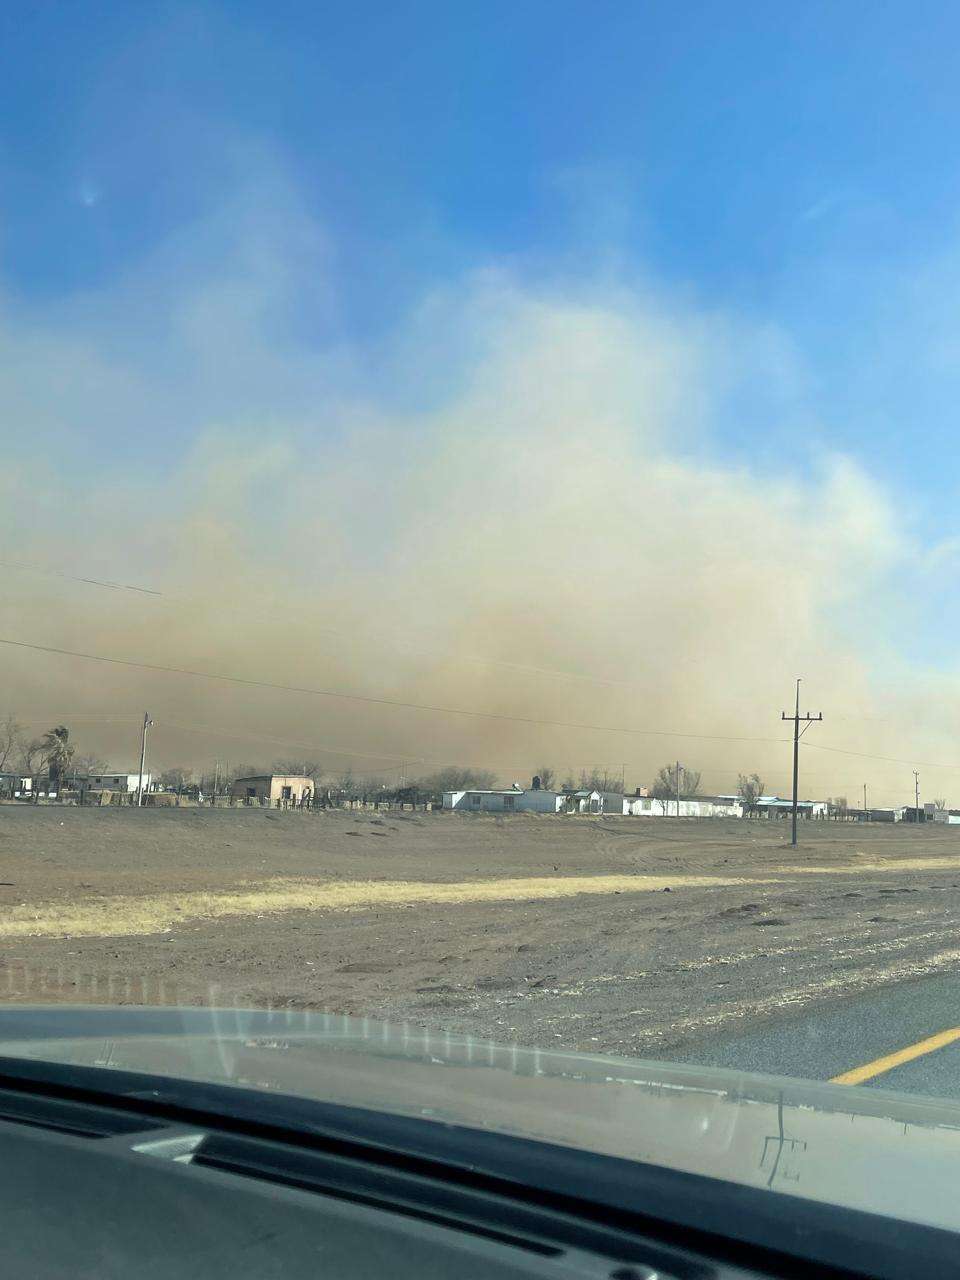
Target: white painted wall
x=538 y=801
x=648 y=807
x=640 y=806
x=118 y=782
x=503 y=801
x=483 y=801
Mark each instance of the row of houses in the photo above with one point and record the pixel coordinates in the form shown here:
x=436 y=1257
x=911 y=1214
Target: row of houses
x=274 y=790
x=18 y=786
x=517 y=799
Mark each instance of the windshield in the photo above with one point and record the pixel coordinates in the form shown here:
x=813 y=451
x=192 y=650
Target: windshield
x=478 y=553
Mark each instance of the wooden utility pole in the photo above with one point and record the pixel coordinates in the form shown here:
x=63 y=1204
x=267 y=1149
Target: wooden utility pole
x=147 y=722
x=916 y=792
x=678 y=788
x=808 y=720
x=864 y=798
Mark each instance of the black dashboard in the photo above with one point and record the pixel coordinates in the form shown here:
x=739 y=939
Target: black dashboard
x=108 y=1174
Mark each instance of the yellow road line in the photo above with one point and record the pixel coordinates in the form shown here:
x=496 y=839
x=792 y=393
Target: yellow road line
x=880 y=1065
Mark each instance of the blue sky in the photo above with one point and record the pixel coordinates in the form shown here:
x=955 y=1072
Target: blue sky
x=792 y=162
x=307 y=216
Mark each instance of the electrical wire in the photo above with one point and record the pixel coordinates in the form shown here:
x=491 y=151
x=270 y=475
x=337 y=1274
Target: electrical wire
x=372 y=701
x=863 y=755
x=72 y=577
x=401 y=643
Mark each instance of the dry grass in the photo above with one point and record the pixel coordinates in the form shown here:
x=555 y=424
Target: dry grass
x=158 y=913
x=125 y=916
x=872 y=863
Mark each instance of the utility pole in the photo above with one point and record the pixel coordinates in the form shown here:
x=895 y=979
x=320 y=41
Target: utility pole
x=678 y=788
x=796 y=718
x=916 y=793
x=216 y=780
x=864 y=797
x=147 y=722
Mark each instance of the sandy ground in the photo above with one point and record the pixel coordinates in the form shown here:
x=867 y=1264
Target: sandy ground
x=625 y=935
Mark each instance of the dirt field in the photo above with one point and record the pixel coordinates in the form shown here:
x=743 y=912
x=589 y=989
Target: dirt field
x=627 y=935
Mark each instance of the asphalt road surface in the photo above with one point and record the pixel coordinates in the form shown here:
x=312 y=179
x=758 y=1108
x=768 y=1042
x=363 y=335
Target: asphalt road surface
x=905 y=1037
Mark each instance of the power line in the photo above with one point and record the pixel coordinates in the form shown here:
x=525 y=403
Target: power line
x=550 y=672
x=470 y=659
x=406 y=758
x=72 y=577
x=410 y=646
x=522 y=668
x=380 y=702
x=863 y=755
x=409 y=757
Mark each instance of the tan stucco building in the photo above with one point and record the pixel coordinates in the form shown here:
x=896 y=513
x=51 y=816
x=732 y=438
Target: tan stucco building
x=273 y=788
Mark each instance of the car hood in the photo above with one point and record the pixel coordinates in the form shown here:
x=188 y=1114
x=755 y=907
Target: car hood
x=866 y=1149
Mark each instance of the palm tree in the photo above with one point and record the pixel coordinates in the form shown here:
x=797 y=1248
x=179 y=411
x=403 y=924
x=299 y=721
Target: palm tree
x=57 y=752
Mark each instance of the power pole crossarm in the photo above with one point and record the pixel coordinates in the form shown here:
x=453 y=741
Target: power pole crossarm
x=808 y=719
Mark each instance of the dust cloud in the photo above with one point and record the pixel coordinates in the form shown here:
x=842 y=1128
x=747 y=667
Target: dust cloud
x=528 y=501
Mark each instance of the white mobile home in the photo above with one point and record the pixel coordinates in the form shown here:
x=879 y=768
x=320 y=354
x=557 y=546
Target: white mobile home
x=690 y=806
x=537 y=800
x=118 y=781
x=501 y=800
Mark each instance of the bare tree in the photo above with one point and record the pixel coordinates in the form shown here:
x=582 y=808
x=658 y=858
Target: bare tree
x=749 y=789
x=940 y=803
x=220 y=781
x=600 y=780
x=176 y=778
x=374 y=788
x=665 y=786
x=304 y=768
x=546 y=775
x=456 y=778
x=29 y=756
x=346 y=785
x=81 y=766
x=11 y=741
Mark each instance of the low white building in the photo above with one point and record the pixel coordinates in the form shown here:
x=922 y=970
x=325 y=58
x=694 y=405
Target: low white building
x=114 y=780
x=779 y=807
x=590 y=801
x=502 y=800
x=641 y=806
x=950 y=817
x=690 y=807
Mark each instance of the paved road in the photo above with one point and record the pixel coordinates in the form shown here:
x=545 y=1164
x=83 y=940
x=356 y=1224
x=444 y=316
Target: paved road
x=875 y=1031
